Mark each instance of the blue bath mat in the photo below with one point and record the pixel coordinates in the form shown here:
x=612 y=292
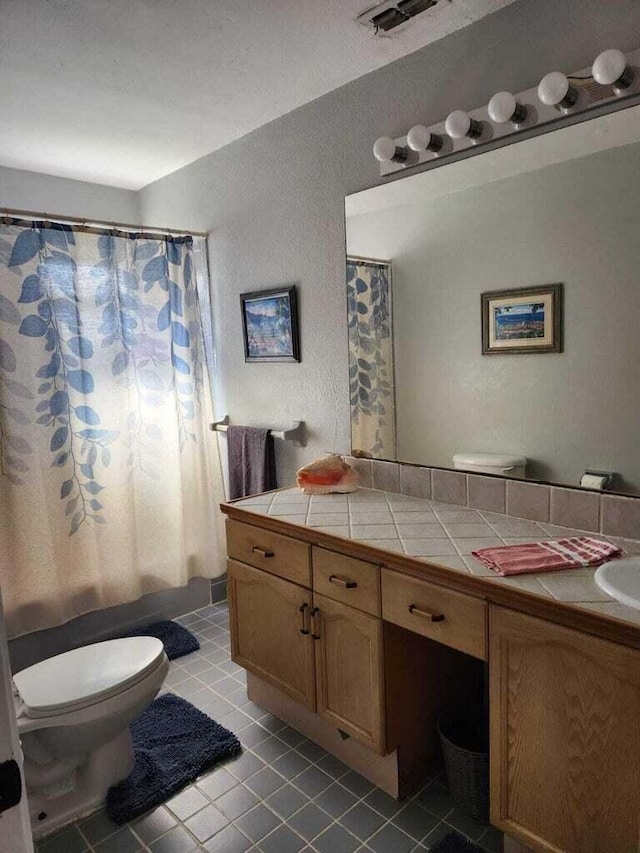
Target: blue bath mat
x=177 y=641
x=173 y=743
x=455 y=843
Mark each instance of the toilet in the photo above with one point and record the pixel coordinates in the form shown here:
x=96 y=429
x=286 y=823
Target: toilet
x=73 y=712
x=502 y=464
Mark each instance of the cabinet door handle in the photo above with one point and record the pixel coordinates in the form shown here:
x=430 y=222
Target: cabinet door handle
x=426 y=614
x=303 y=610
x=262 y=551
x=315 y=635
x=342 y=582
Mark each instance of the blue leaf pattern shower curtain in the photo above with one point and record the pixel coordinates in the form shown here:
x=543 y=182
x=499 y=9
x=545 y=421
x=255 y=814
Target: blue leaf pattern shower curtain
x=109 y=479
x=371 y=365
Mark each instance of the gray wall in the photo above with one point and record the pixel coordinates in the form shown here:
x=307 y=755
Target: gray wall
x=33 y=191
x=273 y=200
x=573 y=222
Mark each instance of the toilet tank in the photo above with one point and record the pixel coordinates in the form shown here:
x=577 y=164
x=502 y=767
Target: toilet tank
x=505 y=464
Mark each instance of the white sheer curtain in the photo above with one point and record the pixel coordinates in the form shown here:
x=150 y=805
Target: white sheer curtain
x=109 y=474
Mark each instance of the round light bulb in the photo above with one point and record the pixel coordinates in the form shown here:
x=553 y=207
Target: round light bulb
x=458 y=124
x=418 y=138
x=384 y=149
x=502 y=107
x=554 y=88
x=609 y=67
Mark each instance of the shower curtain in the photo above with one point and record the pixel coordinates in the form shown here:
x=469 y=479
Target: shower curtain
x=371 y=368
x=109 y=478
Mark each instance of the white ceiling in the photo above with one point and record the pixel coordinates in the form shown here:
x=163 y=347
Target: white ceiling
x=122 y=92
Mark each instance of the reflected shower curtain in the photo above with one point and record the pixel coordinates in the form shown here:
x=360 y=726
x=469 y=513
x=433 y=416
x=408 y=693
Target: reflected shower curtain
x=371 y=370
x=109 y=479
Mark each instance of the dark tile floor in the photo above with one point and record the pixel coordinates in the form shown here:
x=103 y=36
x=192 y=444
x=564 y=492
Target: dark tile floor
x=282 y=795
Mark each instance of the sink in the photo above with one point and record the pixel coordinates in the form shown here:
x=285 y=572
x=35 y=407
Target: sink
x=621 y=580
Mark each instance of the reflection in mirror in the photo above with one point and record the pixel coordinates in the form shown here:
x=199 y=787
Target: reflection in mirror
x=564 y=208
x=371 y=380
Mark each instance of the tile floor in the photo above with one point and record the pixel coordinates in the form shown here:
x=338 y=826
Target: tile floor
x=282 y=795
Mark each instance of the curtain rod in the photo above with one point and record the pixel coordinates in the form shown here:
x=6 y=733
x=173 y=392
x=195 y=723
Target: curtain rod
x=36 y=214
x=362 y=259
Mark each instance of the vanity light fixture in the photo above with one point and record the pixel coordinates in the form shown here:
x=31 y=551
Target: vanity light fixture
x=611 y=69
x=421 y=139
x=503 y=107
x=555 y=90
x=460 y=124
x=613 y=76
x=385 y=150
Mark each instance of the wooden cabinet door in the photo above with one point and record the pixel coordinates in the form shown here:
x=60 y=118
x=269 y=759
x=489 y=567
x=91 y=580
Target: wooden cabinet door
x=565 y=737
x=267 y=615
x=349 y=670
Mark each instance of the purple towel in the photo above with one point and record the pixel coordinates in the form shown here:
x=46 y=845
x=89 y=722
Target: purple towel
x=252 y=464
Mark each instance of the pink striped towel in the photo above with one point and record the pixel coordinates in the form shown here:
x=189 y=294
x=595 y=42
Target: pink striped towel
x=547 y=556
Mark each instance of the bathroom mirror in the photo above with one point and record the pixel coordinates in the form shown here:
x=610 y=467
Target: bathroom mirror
x=559 y=208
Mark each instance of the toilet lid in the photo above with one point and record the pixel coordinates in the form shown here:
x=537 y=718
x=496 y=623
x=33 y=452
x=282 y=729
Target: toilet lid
x=490 y=460
x=87 y=675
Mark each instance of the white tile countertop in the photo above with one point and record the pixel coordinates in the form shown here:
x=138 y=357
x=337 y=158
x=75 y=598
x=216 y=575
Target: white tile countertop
x=445 y=535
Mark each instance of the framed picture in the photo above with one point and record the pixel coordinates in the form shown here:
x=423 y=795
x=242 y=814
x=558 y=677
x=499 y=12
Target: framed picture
x=523 y=320
x=270 y=325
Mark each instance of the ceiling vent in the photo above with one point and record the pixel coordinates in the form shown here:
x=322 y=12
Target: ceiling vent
x=387 y=16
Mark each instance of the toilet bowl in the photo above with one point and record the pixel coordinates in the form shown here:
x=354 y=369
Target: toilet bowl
x=73 y=714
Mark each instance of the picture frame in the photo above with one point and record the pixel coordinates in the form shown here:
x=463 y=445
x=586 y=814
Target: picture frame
x=522 y=320
x=270 y=325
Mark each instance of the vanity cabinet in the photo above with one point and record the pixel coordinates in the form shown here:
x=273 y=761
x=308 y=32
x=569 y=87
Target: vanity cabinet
x=267 y=617
x=349 y=670
x=565 y=736
x=325 y=654
x=364 y=656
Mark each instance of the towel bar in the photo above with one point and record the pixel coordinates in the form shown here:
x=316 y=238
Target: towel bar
x=294 y=433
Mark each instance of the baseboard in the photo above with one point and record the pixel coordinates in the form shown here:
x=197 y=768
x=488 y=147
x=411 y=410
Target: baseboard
x=512 y=845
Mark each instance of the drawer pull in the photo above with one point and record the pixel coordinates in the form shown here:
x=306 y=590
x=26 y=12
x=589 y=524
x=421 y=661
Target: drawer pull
x=315 y=634
x=263 y=552
x=342 y=582
x=303 y=610
x=433 y=617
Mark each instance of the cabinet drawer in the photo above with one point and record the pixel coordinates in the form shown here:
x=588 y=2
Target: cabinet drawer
x=272 y=552
x=347 y=579
x=453 y=618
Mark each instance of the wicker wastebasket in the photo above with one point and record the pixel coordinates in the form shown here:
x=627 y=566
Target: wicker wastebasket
x=466 y=759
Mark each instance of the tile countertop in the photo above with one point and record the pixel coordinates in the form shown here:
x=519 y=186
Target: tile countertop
x=443 y=534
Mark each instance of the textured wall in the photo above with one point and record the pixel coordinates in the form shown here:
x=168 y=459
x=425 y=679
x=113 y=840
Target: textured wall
x=33 y=191
x=273 y=200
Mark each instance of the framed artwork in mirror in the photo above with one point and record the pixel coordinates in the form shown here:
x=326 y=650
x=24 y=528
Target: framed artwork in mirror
x=522 y=320
x=270 y=324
